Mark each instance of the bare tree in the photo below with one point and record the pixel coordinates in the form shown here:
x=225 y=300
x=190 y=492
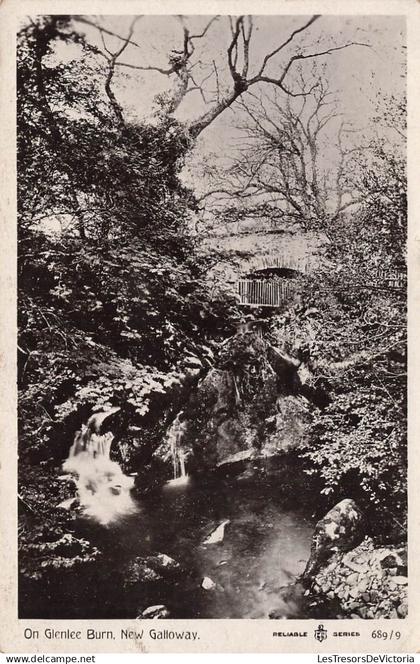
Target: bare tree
x=182 y=65
x=294 y=161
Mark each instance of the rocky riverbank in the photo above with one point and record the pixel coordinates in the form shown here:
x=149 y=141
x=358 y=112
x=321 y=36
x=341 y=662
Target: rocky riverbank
x=350 y=573
x=366 y=582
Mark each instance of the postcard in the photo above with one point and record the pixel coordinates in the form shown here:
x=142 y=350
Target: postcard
x=209 y=293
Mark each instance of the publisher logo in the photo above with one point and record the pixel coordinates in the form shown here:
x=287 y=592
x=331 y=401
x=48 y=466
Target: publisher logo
x=320 y=633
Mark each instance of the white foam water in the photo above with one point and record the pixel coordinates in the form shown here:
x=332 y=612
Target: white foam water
x=175 y=436
x=103 y=489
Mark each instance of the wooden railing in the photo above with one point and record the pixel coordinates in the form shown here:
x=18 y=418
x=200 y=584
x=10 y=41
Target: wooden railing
x=265 y=293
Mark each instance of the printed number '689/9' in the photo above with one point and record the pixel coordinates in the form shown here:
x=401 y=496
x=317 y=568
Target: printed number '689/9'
x=380 y=634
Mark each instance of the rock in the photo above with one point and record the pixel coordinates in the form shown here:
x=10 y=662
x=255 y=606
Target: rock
x=284 y=365
x=218 y=534
x=355 y=568
x=193 y=361
x=389 y=560
x=289 y=429
x=208 y=584
x=150 y=569
x=400 y=580
x=221 y=435
x=354 y=592
x=69 y=504
x=139 y=571
x=359 y=560
x=341 y=529
x=352 y=579
x=239 y=405
x=66 y=478
x=244 y=455
x=306 y=377
x=246 y=475
x=402 y=610
x=156 y=612
x=162 y=562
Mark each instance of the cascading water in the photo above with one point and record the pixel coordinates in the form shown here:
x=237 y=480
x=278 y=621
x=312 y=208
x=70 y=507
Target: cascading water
x=175 y=437
x=103 y=489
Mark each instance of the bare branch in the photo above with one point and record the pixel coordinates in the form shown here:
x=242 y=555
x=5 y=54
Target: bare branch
x=246 y=36
x=83 y=19
x=288 y=40
x=237 y=54
x=232 y=51
x=111 y=69
x=217 y=82
x=160 y=70
x=303 y=56
x=209 y=24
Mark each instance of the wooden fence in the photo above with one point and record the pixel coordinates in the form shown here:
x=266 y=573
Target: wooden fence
x=265 y=293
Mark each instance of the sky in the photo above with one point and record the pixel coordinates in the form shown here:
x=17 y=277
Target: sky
x=359 y=75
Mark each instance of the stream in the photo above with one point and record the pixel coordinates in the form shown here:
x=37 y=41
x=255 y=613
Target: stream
x=239 y=541
x=265 y=546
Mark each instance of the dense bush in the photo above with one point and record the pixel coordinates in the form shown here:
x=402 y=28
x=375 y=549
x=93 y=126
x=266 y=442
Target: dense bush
x=358 y=350
x=113 y=305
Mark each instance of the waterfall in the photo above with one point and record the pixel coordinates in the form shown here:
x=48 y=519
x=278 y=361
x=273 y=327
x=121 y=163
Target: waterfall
x=103 y=489
x=175 y=437
x=181 y=457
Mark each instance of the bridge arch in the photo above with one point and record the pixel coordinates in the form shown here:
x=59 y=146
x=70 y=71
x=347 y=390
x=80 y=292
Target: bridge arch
x=273 y=261
x=267 y=281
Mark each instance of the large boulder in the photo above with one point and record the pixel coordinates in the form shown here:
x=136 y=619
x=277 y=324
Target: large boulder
x=288 y=428
x=246 y=407
x=341 y=529
x=222 y=426
x=246 y=404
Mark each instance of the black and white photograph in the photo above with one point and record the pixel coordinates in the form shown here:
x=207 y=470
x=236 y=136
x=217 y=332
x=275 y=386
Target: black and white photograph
x=212 y=318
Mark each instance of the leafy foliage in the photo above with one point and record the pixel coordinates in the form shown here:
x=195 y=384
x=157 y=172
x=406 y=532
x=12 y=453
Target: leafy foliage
x=113 y=305
x=358 y=348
